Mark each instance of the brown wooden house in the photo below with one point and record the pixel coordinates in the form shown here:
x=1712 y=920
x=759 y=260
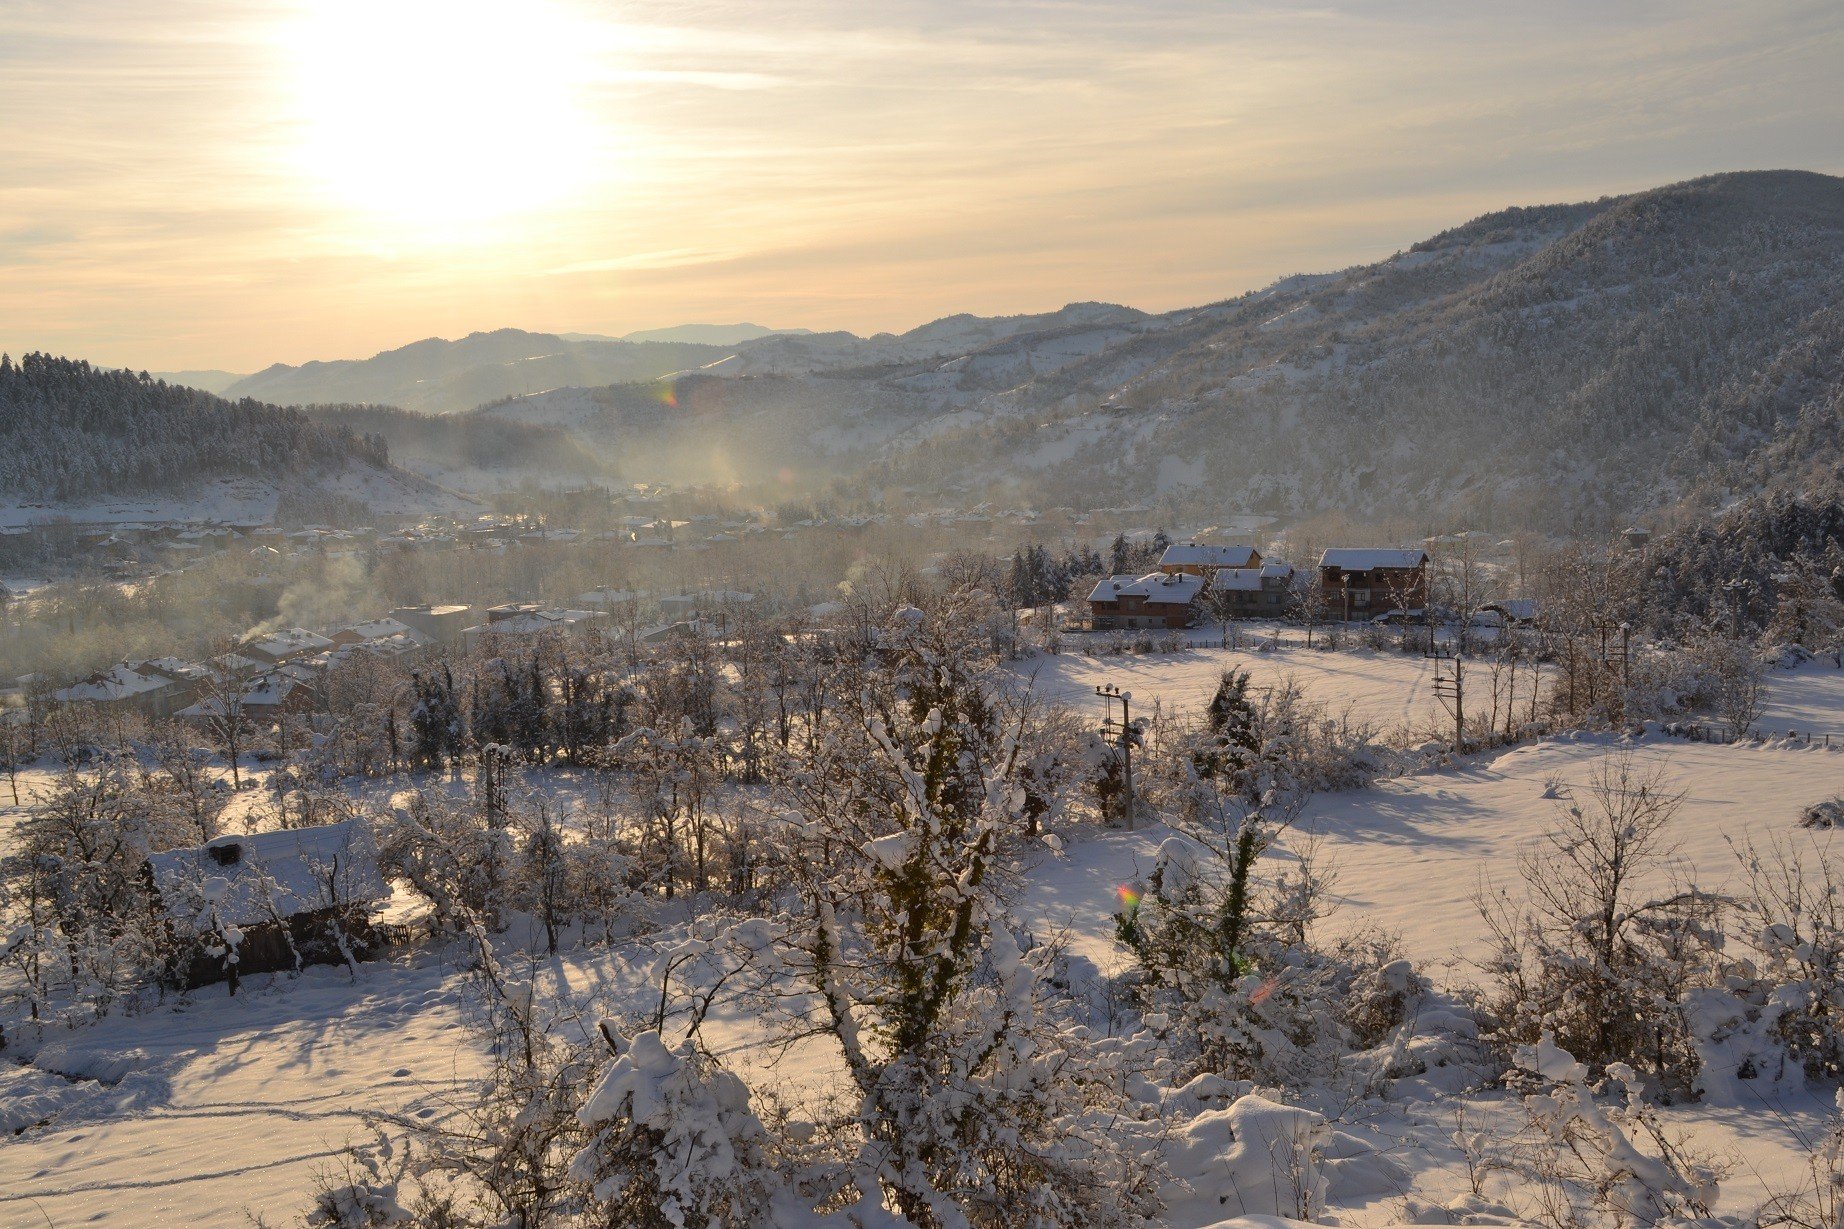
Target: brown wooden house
x=1362 y=582
x=1200 y=559
x=1158 y=599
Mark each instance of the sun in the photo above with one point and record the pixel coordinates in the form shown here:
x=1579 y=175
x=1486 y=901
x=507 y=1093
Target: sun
x=440 y=113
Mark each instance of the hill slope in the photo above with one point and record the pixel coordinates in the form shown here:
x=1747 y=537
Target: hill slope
x=73 y=434
x=1562 y=367
x=438 y=376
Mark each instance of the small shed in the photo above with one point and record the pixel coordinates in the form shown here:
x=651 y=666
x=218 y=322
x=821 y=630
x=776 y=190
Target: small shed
x=267 y=901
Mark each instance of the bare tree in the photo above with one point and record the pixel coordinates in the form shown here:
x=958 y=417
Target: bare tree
x=1598 y=955
x=221 y=701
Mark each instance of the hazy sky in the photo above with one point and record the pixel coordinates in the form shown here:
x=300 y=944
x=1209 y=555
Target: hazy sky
x=203 y=183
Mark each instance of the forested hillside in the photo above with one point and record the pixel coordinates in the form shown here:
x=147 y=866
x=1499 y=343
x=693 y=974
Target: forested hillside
x=72 y=431
x=1563 y=367
x=470 y=449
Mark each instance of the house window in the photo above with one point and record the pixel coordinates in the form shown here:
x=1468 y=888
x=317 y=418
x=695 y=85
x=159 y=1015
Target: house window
x=1360 y=597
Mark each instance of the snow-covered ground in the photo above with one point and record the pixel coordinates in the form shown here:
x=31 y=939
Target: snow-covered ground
x=218 y=1107
x=1385 y=691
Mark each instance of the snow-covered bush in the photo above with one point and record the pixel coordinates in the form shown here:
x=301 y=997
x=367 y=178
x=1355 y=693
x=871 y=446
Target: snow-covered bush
x=1818 y=1203
x=1731 y=682
x=363 y=1192
x=456 y=856
x=1254 y=1158
x=1587 y=1162
x=80 y=919
x=1599 y=958
x=1792 y=909
x=1826 y=814
x=675 y=1143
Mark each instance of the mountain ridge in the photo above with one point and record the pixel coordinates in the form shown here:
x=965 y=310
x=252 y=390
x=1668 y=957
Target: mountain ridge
x=1557 y=366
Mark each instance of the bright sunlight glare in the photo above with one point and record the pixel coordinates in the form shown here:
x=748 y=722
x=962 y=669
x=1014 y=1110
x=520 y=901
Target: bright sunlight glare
x=440 y=113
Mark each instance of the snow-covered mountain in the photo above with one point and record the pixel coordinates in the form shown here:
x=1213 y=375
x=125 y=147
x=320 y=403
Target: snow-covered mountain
x=707 y=334
x=439 y=376
x=1559 y=366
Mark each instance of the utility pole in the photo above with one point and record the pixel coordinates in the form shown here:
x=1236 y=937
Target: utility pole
x=1123 y=737
x=1450 y=686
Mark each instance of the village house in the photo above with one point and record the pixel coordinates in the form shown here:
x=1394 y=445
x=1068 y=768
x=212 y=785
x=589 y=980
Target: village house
x=1358 y=583
x=288 y=690
x=385 y=631
x=1158 y=599
x=526 y=619
x=269 y=901
x=1199 y=559
x=611 y=599
x=127 y=688
x=279 y=646
x=443 y=624
x=1253 y=593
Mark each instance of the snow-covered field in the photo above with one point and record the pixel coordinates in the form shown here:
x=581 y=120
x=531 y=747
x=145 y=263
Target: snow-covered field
x=216 y=1107
x=1385 y=691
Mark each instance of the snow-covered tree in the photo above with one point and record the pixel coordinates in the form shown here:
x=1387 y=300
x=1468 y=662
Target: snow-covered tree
x=975 y=1106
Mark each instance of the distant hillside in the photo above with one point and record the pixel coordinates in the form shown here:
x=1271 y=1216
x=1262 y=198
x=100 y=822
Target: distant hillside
x=72 y=431
x=441 y=377
x=1561 y=367
x=472 y=451
x=711 y=334
x=1556 y=367
x=210 y=381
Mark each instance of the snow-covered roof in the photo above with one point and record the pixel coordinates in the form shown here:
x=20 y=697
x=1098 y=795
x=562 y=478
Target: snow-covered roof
x=1250 y=578
x=1517 y=609
x=1368 y=559
x=288 y=641
x=1199 y=554
x=532 y=622
x=118 y=682
x=385 y=629
x=610 y=597
x=178 y=668
x=1156 y=588
x=250 y=879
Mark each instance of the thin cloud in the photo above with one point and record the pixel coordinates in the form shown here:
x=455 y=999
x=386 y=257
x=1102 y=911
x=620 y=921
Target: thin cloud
x=847 y=165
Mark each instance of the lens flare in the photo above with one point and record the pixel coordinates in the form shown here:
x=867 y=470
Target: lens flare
x=1129 y=898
